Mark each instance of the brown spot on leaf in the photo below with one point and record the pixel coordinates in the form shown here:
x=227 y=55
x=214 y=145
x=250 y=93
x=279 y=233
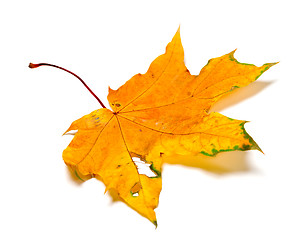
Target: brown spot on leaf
x=136 y=188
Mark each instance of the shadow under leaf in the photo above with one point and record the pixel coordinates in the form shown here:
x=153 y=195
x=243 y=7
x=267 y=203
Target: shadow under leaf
x=239 y=95
x=222 y=163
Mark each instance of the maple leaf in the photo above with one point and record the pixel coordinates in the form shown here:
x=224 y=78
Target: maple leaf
x=160 y=113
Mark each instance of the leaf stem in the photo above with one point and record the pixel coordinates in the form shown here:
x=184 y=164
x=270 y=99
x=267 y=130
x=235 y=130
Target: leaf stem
x=31 y=65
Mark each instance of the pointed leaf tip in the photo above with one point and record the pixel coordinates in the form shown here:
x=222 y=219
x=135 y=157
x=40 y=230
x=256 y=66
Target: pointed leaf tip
x=265 y=67
x=155 y=223
x=177 y=34
x=110 y=90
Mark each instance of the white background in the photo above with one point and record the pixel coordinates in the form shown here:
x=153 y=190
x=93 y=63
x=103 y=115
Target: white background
x=249 y=196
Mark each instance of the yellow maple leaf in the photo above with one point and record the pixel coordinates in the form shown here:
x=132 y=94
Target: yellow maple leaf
x=160 y=113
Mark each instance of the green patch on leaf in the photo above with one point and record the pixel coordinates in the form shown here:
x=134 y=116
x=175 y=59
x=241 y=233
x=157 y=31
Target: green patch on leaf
x=156 y=171
x=232 y=58
x=267 y=66
x=252 y=146
x=77 y=175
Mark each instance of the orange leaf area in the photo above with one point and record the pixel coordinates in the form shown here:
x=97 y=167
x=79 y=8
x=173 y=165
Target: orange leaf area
x=156 y=115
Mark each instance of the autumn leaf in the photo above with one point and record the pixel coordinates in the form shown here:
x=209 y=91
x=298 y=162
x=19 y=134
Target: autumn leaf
x=160 y=113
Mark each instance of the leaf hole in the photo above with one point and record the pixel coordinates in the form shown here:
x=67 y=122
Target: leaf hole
x=71 y=132
x=143 y=167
